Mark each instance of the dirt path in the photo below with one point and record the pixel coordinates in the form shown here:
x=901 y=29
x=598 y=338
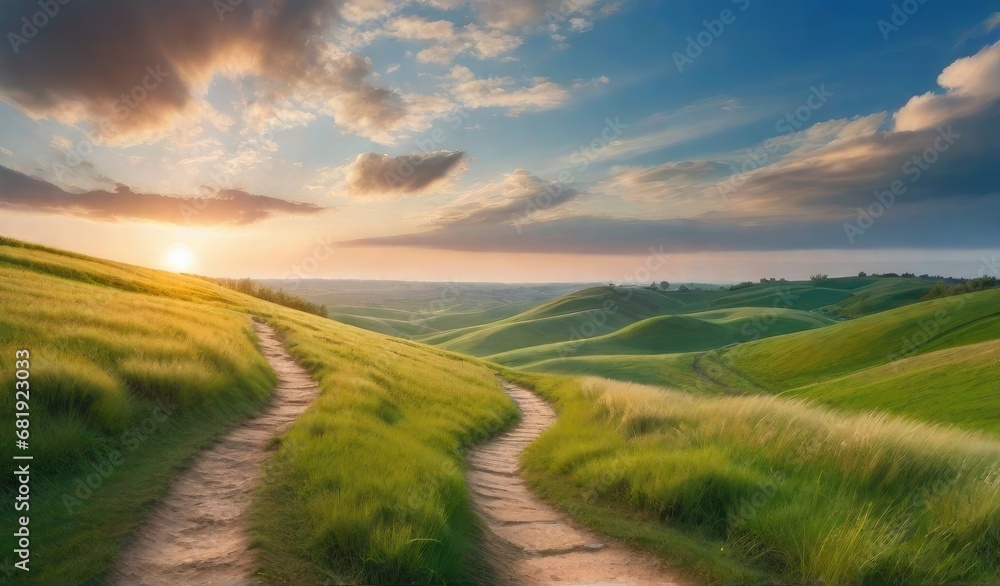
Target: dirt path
x=199 y=532
x=539 y=545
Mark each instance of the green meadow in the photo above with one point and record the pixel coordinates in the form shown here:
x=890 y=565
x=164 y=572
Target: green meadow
x=752 y=489
x=137 y=370
x=842 y=432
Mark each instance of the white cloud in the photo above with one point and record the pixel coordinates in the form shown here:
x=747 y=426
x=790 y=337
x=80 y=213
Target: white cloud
x=505 y=92
x=448 y=41
x=519 y=197
x=667 y=130
x=992 y=22
x=971 y=84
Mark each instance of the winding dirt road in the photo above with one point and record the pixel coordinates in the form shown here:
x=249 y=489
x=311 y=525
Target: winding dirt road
x=199 y=533
x=535 y=543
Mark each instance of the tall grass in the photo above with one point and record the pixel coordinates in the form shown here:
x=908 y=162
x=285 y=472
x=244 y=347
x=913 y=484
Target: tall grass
x=129 y=378
x=104 y=358
x=788 y=490
x=368 y=486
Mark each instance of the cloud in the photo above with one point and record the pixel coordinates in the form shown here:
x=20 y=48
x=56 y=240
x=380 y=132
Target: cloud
x=992 y=22
x=971 y=85
x=690 y=188
x=517 y=13
x=519 y=198
x=137 y=67
x=799 y=193
x=503 y=92
x=973 y=229
x=229 y=206
x=374 y=175
x=668 y=129
x=942 y=147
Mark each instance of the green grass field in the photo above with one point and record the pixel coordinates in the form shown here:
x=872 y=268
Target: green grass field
x=935 y=361
x=753 y=489
x=612 y=321
x=414 y=310
x=862 y=451
x=670 y=334
x=369 y=482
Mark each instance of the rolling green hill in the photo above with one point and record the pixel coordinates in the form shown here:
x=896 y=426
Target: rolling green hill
x=790 y=361
x=596 y=312
x=115 y=347
x=936 y=360
x=133 y=371
x=675 y=333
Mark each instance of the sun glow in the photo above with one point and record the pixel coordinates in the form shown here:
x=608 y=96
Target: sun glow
x=179 y=258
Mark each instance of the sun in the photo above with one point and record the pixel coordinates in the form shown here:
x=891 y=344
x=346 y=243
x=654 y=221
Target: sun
x=179 y=258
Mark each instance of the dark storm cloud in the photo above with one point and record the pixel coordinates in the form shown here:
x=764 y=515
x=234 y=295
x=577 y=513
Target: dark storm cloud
x=374 y=175
x=133 y=66
x=230 y=206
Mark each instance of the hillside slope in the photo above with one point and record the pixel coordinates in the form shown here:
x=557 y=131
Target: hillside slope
x=674 y=334
x=599 y=311
x=138 y=369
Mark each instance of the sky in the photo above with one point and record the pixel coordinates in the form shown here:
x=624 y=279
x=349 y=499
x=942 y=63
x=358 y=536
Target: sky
x=517 y=140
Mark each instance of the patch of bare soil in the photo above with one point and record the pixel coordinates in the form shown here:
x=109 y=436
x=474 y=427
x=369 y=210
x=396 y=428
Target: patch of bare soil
x=199 y=533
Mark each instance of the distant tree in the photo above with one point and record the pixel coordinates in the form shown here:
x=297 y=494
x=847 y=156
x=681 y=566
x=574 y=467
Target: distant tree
x=862 y=274
x=819 y=278
x=683 y=288
x=939 y=290
x=249 y=287
x=664 y=285
x=763 y=279
x=907 y=275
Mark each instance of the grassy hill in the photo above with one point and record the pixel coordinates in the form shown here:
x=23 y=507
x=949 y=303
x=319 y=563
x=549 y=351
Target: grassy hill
x=934 y=360
x=597 y=312
x=676 y=333
x=135 y=370
x=765 y=490
x=414 y=309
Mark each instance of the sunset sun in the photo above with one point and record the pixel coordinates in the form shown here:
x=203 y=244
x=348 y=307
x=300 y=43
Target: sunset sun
x=179 y=258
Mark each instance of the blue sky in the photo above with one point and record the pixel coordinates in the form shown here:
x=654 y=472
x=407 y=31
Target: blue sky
x=519 y=140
